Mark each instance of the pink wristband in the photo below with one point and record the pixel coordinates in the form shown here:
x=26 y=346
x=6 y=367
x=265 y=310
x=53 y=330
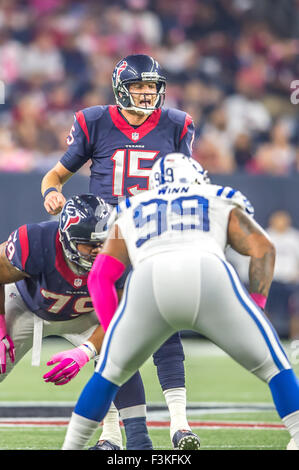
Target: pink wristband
x=259 y=299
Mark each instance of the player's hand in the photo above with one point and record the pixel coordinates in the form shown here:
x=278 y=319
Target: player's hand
x=6 y=346
x=54 y=202
x=70 y=363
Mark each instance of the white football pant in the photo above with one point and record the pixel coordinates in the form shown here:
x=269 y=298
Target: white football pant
x=183 y=290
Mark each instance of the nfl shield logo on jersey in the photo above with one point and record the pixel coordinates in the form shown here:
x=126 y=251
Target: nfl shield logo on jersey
x=78 y=282
x=135 y=136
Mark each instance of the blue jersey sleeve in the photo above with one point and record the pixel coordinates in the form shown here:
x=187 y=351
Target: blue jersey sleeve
x=23 y=250
x=82 y=137
x=187 y=137
x=184 y=131
x=80 y=148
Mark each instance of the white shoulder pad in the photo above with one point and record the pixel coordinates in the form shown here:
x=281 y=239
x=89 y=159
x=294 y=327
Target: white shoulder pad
x=235 y=197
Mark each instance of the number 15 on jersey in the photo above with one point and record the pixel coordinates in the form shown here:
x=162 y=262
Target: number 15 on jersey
x=127 y=163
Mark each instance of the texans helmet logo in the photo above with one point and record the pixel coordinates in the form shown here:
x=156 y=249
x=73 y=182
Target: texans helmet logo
x=70 y=217
x=120 y=69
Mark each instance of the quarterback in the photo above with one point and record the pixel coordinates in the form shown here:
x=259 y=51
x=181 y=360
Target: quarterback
x=178 y=231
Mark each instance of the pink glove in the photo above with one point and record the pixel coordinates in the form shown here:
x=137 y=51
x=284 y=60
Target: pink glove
x=6 y=346
x=71 y=361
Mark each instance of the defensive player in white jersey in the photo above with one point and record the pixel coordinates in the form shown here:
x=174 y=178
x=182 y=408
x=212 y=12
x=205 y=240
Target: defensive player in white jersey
x=175 y=236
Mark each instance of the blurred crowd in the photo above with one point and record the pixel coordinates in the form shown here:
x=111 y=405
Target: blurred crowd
x=229 y=63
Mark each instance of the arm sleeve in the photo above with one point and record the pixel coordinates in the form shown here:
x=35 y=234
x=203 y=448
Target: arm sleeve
x=80 y=148
x=101 y=285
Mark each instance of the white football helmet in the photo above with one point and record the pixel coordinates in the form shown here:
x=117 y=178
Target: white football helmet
x=177 y=168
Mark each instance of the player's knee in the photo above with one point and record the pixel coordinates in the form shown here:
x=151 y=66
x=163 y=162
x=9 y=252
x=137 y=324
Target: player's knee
x=116 y=373
x=266 y=370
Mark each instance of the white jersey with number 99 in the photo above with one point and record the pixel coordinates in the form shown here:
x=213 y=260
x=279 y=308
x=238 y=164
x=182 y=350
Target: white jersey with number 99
x=175 y=217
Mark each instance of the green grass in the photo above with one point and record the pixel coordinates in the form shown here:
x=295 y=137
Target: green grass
x=221 y=439
x=211 y=376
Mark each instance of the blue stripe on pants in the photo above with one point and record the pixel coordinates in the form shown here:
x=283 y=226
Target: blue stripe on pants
x=247 y=304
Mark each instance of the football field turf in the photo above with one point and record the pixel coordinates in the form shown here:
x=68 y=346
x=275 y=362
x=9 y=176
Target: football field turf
x=228 y=407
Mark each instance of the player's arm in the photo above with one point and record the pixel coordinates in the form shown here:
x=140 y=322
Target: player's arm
x=70 y=362
x=8 y=274
x=248 y=238
x=105 y=300
x=51 y=188
x=78 y=153
x=108 y=267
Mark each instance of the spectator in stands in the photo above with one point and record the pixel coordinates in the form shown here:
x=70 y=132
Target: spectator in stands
x=276 y=157
x=43 y=58
x=214 y=148
x=13 y=157
x=245 y=110
x=234 y=52
x=243 y=151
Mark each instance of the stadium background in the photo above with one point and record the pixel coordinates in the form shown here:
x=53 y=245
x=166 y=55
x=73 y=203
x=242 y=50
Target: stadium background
x=229 y=63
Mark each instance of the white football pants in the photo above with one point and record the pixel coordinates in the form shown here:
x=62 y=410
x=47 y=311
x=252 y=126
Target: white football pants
x=182 y=290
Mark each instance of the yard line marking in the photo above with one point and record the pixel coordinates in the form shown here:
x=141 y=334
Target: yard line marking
x=33 y=422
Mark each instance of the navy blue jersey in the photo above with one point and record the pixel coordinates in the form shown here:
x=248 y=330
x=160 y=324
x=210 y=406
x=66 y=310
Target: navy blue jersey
x=122 y=155
x=53 y=291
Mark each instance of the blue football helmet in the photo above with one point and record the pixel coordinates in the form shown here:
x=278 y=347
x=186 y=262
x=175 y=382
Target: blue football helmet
x=83 y=219
x=179 y=169
x=137 y=68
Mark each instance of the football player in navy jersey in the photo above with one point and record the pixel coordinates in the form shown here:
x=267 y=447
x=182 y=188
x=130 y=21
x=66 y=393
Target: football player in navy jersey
x=43 y=291
x=123 y=141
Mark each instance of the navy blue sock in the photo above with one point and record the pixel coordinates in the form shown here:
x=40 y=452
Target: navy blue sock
x=130 y=393
x=169 y=360
x=96 y=397
x=137 y=434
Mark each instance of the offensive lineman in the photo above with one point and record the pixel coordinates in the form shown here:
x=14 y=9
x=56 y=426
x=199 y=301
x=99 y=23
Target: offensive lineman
x=175 y=236
x=43 y=291
x=123 y=142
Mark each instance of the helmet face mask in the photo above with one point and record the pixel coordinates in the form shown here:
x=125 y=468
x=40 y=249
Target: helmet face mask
x=83 y=221
x=177 y=168
x=135 y=69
